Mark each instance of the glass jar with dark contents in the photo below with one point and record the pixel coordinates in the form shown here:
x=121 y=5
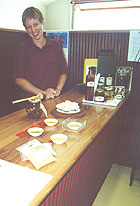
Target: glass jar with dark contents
x=109 y=93
x=33 y=109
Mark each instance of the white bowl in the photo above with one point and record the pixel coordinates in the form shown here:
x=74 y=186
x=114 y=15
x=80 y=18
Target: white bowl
x=59 y=138
x=74 y=125
x=35 y=131
x=51 y=121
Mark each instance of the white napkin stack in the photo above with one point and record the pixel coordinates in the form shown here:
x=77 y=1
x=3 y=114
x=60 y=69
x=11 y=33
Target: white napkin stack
x=38 y=153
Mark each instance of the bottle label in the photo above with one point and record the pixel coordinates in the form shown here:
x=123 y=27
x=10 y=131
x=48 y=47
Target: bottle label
x=99 y=99
x=90 y=84
x=109 y=81
x=102 y=79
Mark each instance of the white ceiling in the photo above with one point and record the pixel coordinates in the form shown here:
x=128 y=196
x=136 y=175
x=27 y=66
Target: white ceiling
x=47 y=2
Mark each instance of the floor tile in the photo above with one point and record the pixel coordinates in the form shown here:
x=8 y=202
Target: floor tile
x=116 y=190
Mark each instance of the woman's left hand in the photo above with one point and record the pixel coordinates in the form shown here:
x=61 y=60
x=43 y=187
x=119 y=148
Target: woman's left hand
x=50 y=93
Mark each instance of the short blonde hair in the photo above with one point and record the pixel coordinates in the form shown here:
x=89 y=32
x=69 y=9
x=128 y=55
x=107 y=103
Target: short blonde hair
x=32 y=13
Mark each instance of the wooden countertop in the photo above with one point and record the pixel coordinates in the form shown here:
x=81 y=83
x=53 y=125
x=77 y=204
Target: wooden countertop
x=97 y=118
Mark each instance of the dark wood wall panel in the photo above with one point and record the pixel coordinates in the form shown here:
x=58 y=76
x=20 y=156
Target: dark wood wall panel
x=8 y=90
x=88 y=45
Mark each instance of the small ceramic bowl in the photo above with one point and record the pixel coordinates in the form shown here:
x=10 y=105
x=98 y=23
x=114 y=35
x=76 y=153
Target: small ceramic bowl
x=51 y=121
x=59 y=138
x=35 y=131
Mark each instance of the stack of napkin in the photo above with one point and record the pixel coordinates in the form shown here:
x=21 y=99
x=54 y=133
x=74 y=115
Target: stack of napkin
x=38 y=153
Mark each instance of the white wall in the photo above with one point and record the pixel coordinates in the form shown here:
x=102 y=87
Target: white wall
x=58 y=14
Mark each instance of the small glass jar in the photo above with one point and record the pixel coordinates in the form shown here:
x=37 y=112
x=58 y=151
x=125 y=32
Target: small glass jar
x=109 y=93
x=99 y=95
x=33 y=109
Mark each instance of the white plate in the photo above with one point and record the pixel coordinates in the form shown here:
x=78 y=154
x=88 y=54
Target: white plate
x=35 y=131
x=68 y=112
x=51 y=121
x=74 y=125
x=68 y=106
x=59 y=138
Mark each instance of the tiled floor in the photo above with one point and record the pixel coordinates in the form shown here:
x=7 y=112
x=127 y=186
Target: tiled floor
x=116 y=190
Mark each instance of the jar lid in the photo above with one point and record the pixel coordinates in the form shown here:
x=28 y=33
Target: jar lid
x=99 y=90
x=100 y=84
x=35 y=100
x=109 y=88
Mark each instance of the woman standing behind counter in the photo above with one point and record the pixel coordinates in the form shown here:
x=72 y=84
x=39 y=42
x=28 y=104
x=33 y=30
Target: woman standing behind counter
x=40 y=66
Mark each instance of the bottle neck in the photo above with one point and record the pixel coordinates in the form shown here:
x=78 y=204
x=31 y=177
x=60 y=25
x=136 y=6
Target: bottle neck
x=90 y=71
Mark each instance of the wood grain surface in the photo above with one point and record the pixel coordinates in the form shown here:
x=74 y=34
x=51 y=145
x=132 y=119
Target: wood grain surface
x=97 y=118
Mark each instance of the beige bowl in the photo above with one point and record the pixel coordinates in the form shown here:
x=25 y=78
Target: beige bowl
x=59 y=138
x=51 y=121
x=35 y=131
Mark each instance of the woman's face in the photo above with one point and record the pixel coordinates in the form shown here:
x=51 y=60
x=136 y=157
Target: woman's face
x=34 y=28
